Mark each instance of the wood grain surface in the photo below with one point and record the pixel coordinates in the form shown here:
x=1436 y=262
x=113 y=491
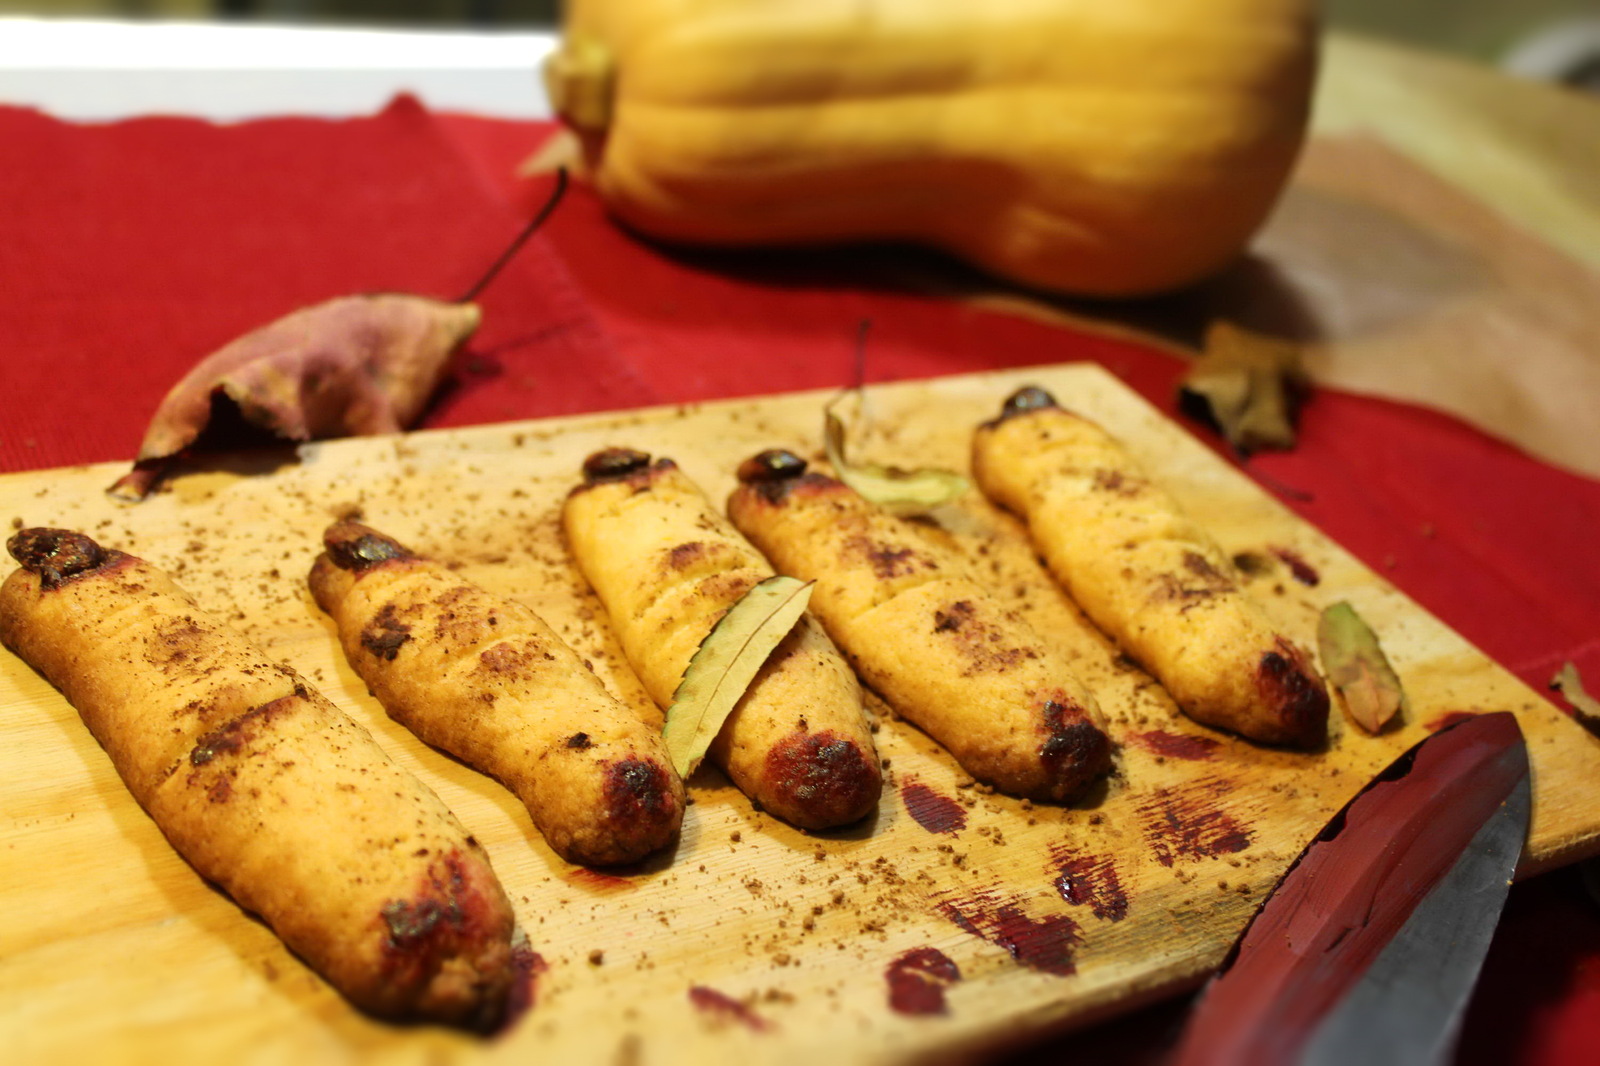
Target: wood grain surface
x=752 y=940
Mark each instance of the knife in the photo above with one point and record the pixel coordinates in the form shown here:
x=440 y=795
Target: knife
x=1367 y=950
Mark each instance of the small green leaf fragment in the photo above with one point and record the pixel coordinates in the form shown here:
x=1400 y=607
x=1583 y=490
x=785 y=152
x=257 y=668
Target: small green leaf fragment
x=726 y=663
x=1585 y=708
x=902 y=491
x=1358 y=668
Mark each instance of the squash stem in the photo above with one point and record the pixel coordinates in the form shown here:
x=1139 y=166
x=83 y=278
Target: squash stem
x=580 y=77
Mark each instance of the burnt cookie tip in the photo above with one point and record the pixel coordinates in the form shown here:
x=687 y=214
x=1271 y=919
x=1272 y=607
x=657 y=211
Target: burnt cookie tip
x=638 y=792
x=1288 y=684
x=823 y=779
x=353 y=546
x=643 y=805
x=1075 y=751
x=774 y=464
x=55 y=554
x=1077 y=748
x=613 y=464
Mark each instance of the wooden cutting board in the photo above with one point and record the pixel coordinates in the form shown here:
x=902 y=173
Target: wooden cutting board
x=753 y=940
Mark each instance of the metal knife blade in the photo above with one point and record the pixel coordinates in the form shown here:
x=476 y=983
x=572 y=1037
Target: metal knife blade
x=1368 y=948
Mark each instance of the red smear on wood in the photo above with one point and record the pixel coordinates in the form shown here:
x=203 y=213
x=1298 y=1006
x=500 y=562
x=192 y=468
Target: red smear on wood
x=1043 y=944
x=1092 y=881
x=588 y=878
x=917 y=980
x=1303 y=571
x=1188 y=824
x=1351 y=890
x=725 y=1006
x=527 y=965
x=935 y=812
x=1177 y=745
x=1449 y=718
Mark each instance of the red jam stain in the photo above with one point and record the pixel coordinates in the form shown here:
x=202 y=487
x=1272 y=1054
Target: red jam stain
x=527 y=964
x=1177 y=745
x=1303 y=571
x=240 y=732
x=1449 y=718
x=637 y=792
x=1187 y=824
x=456 y=911
x=438 y=912
x=1042 y=944
x=825 y=774
x=1092 y=881
x=61 y=555
x=917 y=980
x=1285 y=680
x=933 y=811
x=642 y=805
x=588 y=878
x=1076 y=751
x=711 y=1001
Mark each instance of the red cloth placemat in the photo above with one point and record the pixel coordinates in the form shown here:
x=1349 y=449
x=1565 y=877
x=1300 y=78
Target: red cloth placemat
x=130 y=250
x=133 y=249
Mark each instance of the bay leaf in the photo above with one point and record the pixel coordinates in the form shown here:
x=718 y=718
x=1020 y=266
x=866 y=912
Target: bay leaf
x=725 y=664
x=1355 y=663
x=904 y=492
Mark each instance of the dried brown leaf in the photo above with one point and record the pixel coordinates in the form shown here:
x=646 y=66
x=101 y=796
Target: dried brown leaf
x=1359 y=670
x=1248 y=386
x=1585 y=708
x=353 y=365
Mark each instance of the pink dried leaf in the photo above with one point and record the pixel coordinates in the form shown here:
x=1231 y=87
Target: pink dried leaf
x=352 y=366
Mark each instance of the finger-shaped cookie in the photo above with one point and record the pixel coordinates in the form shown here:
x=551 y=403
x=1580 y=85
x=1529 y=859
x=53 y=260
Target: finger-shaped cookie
x=667 y=566
x=923 y=633
x=1146 y=573
x=485 y=679
x=266 y=787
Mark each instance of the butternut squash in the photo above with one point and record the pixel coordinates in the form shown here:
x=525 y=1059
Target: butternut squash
x=1105 y=147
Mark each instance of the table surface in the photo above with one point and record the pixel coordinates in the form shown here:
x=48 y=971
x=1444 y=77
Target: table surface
x=1509 y=144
